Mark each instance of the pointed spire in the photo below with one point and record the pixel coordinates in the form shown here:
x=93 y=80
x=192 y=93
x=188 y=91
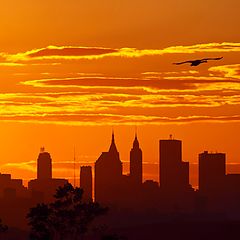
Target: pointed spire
x=136 y=133
x=113 y=139
x=113 y=148
x=135 y=139
x=135 y=142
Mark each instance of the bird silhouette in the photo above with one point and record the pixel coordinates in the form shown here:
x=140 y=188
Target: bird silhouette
x=197 y=62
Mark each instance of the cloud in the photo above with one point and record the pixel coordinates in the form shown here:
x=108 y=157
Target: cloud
x=111 y=119
x=157 y=74
x=145 y=85
x=28 y=166
x=60 y=52
x=11 y=64
x=151 y=97
x=226 y=71
x=103 y=100
x=80 y=52
x=69 y=51
x=111 y=82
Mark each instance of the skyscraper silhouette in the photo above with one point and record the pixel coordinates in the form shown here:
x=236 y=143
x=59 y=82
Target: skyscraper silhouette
x=45 y=183
x=108 y=175
x=174 y=174
x=136 y=163
x=86 y=182
x=212 y=171
x=44 y=165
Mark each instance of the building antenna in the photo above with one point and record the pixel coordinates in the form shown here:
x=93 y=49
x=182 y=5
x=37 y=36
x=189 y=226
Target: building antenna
x=74 y=167
x=136 y=130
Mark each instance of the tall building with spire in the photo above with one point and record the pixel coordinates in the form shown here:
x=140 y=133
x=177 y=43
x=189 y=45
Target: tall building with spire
x=108 y=175
x=136 y=163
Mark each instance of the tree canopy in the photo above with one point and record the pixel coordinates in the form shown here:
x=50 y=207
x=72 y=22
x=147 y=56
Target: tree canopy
x=68 y=217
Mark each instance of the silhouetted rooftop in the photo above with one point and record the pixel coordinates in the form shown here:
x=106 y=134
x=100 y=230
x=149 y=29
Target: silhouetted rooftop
x=113 y=148
x=136 y=142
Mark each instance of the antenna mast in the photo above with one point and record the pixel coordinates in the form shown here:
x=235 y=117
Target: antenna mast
x=74 y=167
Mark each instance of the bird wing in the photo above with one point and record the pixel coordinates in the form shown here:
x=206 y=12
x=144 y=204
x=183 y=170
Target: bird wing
x=179 y=63
x=206 y=59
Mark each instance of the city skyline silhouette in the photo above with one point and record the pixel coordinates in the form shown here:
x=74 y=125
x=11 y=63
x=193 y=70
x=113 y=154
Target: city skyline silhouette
x=126 y=166
x=119 y=120
x=216 y=198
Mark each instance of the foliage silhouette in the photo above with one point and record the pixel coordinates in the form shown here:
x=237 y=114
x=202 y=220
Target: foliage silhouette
x=3 y=228
x=68 y=217
x=112 y=237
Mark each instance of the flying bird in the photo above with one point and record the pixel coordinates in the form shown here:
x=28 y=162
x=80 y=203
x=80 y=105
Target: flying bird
x=198 y=61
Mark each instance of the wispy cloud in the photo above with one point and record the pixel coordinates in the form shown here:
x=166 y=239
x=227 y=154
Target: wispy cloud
x=80 y=52
x=177 y=95
x=28 y=166
x=32 y=165
x=99 y=100
x=11 y=64
x=226 y=71
x=111 y=119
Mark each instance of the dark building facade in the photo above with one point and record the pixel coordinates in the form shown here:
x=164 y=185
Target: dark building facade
x=44 y=165
x=86 y=182
x=136 y=171
x=108 y=176
x=212 y=172
x=45 y=184
x=174 y=174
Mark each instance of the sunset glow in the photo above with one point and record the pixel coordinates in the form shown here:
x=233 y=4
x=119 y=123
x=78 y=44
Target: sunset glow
x=70 y=71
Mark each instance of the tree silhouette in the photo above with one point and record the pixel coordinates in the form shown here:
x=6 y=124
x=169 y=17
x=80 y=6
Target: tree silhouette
x=112 y=237
x=3 y=228
x=68 y=217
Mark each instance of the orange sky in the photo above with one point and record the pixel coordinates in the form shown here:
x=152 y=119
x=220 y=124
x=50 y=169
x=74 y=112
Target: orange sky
x=70 y=70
